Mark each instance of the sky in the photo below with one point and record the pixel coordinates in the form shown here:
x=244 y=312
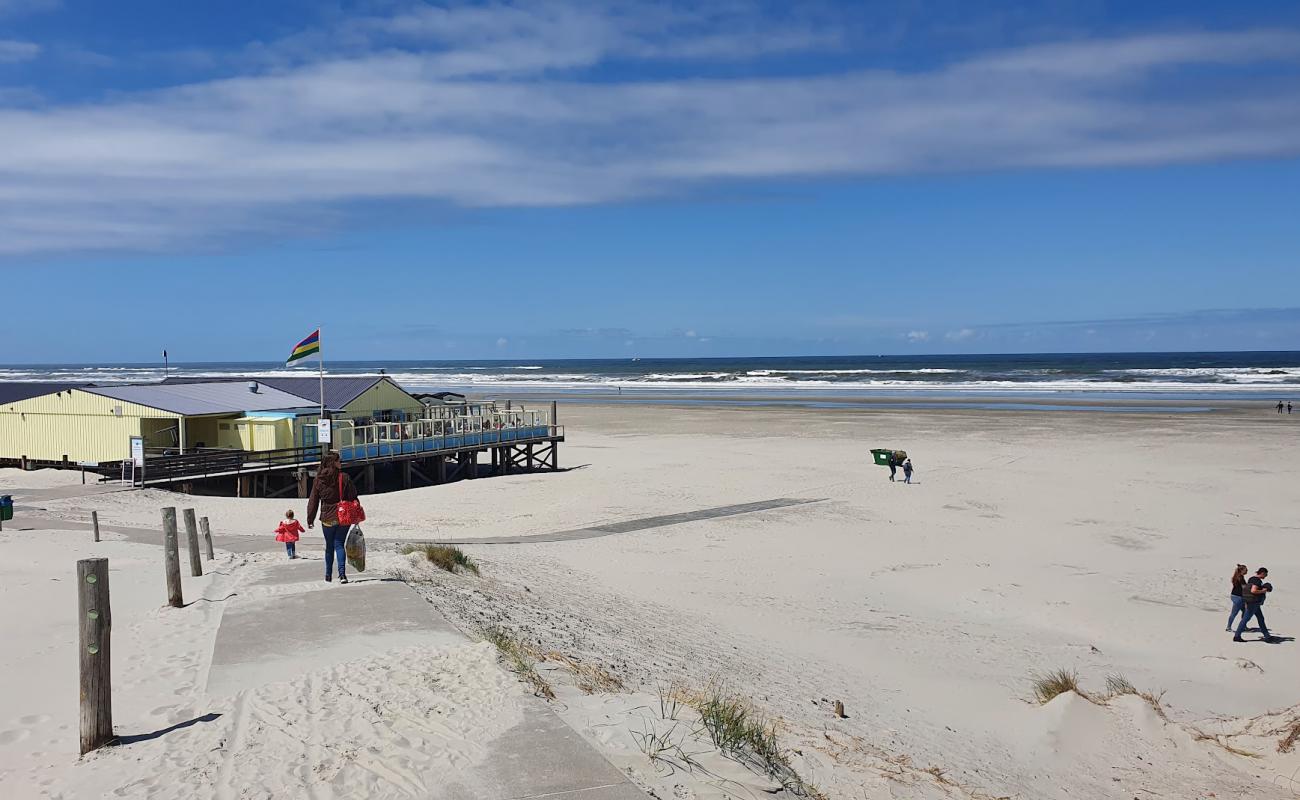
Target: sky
x=581 y=179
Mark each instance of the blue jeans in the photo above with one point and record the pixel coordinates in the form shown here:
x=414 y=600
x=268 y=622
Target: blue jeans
x=290 y=549
x=1237 y=608
x=335 y=536
x=1255 y=610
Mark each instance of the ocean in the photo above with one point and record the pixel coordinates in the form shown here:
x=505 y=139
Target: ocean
x=1247 y=375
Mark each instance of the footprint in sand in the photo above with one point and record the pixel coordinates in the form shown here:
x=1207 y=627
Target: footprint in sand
x=33 y=719
x=10 y=737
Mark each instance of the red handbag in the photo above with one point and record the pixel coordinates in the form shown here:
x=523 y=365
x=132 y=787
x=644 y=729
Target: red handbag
x=350 y=511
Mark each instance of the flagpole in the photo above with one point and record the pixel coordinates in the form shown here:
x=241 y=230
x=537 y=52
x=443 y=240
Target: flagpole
x=320 y=365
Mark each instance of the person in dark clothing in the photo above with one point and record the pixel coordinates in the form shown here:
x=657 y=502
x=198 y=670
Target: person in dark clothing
x=1288 y=406
x=1238 y=605
x=893 y=466
x=325 y=497
x=907 y=471
x=1279 y=406
x=1253 y=594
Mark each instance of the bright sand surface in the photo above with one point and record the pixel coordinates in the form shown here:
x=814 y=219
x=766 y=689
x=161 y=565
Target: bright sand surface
x=1030 y=541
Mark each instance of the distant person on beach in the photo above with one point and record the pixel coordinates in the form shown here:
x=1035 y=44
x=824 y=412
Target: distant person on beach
x=1279 y=406
x=288 y=532
x=1288 y=406
x=893 y=466
x=1238 y=582
x=332 y=485
x=907 y=471
x=1253 y=595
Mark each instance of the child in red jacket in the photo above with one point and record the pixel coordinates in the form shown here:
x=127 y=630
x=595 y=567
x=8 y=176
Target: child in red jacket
x=288 y=533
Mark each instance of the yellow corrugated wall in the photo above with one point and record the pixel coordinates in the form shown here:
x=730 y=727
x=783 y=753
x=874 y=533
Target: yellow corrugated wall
x=80 y=425
x=382 y=396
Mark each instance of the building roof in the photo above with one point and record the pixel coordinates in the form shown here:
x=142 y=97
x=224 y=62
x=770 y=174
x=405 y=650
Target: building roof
x=339 y=391
x=196 y=399
x=13 y=391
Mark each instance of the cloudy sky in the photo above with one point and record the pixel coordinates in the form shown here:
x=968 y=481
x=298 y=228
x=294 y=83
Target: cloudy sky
x=595 y=179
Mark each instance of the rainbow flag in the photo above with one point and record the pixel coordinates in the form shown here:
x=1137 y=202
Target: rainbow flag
x=307 y=347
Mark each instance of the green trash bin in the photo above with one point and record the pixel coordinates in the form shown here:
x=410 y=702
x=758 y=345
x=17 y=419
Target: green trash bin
x=6 y=507
x=881 y=456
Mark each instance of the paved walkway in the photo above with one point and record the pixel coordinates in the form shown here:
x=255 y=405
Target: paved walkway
x=282 y=634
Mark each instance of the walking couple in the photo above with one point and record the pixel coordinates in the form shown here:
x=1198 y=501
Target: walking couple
x=1248 y=600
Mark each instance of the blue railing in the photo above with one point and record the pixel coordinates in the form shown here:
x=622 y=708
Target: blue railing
x=353 y=447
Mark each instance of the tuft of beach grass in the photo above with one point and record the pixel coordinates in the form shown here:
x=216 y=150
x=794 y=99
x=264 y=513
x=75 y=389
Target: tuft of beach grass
x=444 y=556
x=519 y=659
x=1048 y=685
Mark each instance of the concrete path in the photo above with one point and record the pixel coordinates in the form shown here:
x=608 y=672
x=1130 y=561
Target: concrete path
x=295 y=632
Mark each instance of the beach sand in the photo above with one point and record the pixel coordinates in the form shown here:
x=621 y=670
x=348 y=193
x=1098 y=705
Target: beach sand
x=1030 y=541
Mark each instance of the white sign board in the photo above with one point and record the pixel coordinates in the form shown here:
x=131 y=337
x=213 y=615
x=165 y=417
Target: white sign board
x=323 y=432
x=137 y=450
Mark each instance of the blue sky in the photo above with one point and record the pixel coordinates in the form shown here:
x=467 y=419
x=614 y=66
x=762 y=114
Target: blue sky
x=563 y=178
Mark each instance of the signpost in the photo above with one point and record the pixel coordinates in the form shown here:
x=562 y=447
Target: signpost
x=137 y=458
x=323 y=432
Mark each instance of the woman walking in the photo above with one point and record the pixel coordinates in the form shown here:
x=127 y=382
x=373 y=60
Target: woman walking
x=1238 y=581
x=332 y=486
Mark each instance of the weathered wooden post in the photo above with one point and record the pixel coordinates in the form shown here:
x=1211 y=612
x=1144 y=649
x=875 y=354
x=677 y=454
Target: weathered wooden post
x=94 y=522
x=207 y=536
x=172 y=558
x=95 y=625
x=192 y=543
x=554 y=408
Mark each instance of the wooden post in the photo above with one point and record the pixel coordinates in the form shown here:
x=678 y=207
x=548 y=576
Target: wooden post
x=406 y=474
x=469 y=459
x=207 y=536
x=440 y=472
x=172 y=558
x=192 y=543
x=554 y=409
x=95 y=623
x=370 y=479
x=302 y=484
x=94 y=523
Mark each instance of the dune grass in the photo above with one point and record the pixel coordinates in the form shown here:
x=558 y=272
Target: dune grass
x=1287 y=743
x=519 y=659
x=1117 y=685
x=444 y=556
x=747 y=735
x=1047 y=685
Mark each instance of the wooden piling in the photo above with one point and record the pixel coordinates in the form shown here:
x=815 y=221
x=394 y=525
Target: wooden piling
x=172 y=558
x=192 y=544
x=94 y=523
x=207 y=536
x=95 y=658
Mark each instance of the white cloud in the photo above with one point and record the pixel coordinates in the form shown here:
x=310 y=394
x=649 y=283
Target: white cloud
x=690 y=334
x=486 y=106
x=918 y=336
x=13 y=51
x=959 y=335
x=503 y=342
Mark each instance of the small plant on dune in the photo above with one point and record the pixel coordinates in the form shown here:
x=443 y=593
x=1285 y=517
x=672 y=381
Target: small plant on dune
x=444 y=556
x=1117 y=685
x=744 y=733
x=1048 y=685
x=519 y=659
x=1287 y=743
